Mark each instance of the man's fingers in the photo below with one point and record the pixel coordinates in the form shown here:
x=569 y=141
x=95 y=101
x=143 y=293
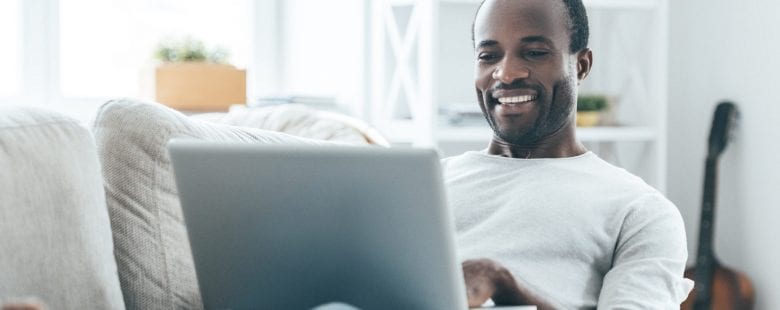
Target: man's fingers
x=486 y=279
x=479 y=285
x=473 y=303
x=479 y=293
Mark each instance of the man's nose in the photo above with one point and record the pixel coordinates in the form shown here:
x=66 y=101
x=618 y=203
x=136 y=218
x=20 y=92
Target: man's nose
x=508 y=72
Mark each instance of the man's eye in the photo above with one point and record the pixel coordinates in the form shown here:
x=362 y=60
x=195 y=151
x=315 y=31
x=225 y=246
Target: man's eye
x=537 y=54
x=487 y=57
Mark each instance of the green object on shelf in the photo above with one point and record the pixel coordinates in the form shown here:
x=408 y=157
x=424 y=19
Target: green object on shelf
x=189 y=49
x=591 y=103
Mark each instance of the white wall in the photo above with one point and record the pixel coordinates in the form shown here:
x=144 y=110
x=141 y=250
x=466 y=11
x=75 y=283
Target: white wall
x=266 y=77
x=323 y=49
x=725 y=49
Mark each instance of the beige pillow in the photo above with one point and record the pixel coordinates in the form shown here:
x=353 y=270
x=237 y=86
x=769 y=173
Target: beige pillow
x=151 y=245
x=55 y=236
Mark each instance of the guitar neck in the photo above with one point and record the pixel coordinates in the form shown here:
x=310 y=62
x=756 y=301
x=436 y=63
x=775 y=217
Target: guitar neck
x=705 y=258
x=707 y=220
x=706 y=262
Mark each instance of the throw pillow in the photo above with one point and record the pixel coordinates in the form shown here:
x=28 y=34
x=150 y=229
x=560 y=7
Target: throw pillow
x=152 y=249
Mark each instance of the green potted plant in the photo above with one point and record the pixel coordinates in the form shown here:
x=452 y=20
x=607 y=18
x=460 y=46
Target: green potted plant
x=589 y=108
x=189 y=50
x=191 y=77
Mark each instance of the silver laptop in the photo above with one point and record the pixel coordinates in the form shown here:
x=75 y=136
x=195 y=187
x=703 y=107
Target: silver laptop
x=296 y=227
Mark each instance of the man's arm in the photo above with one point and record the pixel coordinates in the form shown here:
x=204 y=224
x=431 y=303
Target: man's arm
x=649 y=259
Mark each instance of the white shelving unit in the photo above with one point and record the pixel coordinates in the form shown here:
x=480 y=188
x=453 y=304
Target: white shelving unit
x=420 y=59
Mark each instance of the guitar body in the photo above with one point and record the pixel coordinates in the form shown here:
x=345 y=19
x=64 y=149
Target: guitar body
x=730 y=290
x=716 y=286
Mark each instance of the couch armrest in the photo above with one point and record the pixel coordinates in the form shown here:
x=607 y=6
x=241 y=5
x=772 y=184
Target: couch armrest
x=56 y=238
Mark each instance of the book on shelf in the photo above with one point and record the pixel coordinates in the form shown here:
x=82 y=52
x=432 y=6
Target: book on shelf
x=462 y=114
x=315 y=101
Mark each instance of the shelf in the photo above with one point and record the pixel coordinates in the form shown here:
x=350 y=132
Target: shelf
x=606 y=134
x=405 y=132
x=586 y=134
x=619 y=29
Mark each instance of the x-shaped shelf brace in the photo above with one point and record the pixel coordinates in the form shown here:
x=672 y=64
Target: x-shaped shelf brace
x=413 y=81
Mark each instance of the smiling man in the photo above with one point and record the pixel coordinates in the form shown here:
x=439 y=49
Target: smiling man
x=540 y=219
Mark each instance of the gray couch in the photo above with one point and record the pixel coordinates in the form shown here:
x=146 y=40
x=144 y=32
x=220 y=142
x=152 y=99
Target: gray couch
x=90 y=217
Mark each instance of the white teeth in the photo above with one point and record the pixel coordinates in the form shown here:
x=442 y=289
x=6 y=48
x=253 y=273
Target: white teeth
x=516 y=99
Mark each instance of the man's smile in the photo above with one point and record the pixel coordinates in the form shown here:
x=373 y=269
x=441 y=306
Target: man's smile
x=516 y=99
x=513 y=95
x=513 y=101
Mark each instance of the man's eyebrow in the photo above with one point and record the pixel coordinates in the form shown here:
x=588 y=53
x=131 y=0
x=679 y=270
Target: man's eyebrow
x=487 y=43
x=528 y=39
x=541 y=39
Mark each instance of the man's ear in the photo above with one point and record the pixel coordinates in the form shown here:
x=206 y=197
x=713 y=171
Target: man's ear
x=584 y=63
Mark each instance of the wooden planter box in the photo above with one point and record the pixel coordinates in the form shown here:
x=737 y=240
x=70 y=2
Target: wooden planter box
x=199 y=86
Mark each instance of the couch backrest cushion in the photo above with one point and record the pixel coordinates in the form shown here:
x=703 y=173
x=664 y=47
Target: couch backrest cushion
x=300 y=120
x=55 y=236
x=152 y=248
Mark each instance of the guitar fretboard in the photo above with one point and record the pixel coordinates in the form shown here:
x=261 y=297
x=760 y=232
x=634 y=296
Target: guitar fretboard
x=705 y=258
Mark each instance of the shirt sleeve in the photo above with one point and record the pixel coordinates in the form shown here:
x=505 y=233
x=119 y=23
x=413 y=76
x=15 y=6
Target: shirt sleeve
x=649 y=260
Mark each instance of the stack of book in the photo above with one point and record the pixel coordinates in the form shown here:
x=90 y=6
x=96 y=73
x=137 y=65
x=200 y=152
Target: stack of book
x=315 y=101
x=462 y=114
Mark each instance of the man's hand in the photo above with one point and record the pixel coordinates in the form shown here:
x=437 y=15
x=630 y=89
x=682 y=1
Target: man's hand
x=486 y=279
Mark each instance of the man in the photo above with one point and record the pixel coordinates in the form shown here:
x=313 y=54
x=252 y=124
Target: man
x=540 y=219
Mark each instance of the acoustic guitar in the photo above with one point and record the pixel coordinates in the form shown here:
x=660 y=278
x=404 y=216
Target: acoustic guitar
x=717 y=287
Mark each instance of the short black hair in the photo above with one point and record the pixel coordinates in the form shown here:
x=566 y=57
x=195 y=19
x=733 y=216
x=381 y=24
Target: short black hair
x=578 y=24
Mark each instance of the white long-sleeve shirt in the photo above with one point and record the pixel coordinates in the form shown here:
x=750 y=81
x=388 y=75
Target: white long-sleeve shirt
x=577 y=231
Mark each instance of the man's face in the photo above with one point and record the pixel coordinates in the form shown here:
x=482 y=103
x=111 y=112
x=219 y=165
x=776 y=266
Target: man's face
x=525 y=76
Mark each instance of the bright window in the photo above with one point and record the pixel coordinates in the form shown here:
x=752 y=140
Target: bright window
x=9 y=52
x=110 y=53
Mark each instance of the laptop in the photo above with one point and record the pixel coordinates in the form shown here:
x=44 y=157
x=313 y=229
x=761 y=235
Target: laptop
x=297 y=227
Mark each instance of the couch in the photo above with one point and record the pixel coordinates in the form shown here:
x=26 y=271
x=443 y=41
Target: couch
x=89 y=215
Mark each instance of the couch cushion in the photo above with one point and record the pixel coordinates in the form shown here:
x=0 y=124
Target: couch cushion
x=55 y=235
x=152 y=248
x=300 y=120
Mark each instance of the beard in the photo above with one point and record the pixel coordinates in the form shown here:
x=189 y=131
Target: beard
x=553 y=114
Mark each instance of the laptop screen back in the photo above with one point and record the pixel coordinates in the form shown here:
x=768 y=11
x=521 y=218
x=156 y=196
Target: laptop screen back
x=292 y=227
